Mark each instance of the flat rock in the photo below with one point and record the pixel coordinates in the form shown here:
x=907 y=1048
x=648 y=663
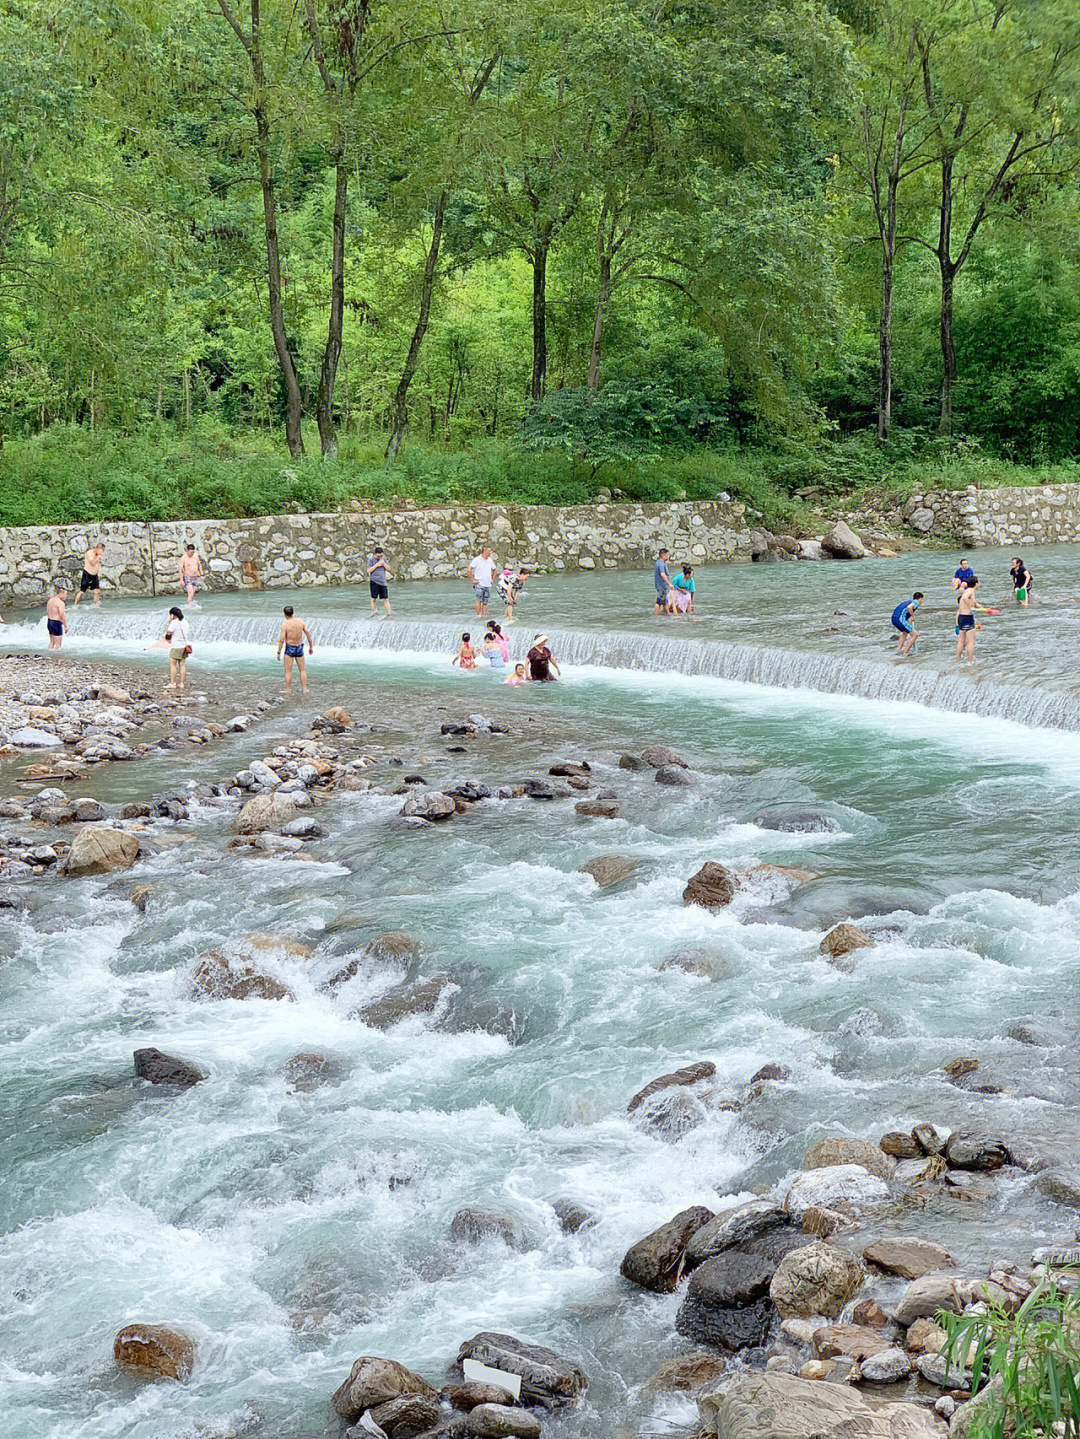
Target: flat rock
x=548 y=1380
x=909 y=1258
x=848 y=1187
x=817 y=1278
x=100 y=849
x=656 y=1261
x=158 y=1068
x=154 y=1351
x=690 y=1074
x=782 y=1406
x=713 y=887
x=828 y=1152
x=373 y=1381
x=850 y=1341
x=28 y=737
x=609 y=870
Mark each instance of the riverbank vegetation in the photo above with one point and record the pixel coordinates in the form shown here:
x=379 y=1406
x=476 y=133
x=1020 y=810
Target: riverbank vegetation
x=789 y=249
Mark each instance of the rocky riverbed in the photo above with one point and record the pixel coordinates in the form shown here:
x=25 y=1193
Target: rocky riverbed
x=808 y=1303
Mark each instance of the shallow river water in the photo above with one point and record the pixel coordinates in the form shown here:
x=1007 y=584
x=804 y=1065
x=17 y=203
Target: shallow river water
x=290 y=1232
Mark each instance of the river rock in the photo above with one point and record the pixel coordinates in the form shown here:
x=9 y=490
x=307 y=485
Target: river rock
x=403 y=1001
x=548 y=1380
x=687 y=1373
x=844 y=939
x=502 y=1421
x=843 y=543
x=154 y=1351
x=925 y=1337
x=572 y=1216
x=671 y=1114
x=604 y=806
x=1039 y=1033
x=935 y=1369
x=909 y=1258
x=609 y=870
x=269 y=811
x=158 y=1068
x=887 y=1366
x=727 y=1302
x=782 y=1406
x=827 y=1152
x=925 y=1296
x=28 y=737
x=468 y=1395
x=393 y=947
x=734 y=1228
x=1061 y=1185
x=697 y=959
x=473 y=1225
x=373 y=1381
x=690 y=1074
x=928 y=1140
x=869 y=1313
x=712 y=887
x=818 y=1278
x=844 y=1186
x=972 y=1149
x=796 y=821
x=100 y=849
x=631 y=762
x=218 y=975
x=431 y=805
x=659 y=756
x=673 y=777
x=309 y=1068
x=849 y=1341
x=899 y=1145
x=89 y=811
x=406 y=1416
x=656 y=1262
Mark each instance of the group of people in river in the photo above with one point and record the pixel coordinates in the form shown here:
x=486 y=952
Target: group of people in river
x=539 y=665
x=673 y=596
x=965 y=584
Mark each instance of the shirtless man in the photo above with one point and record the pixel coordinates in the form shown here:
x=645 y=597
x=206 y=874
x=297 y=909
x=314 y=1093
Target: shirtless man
x=91 y=573
x=965 y=620
x=293 y=634
x=191 y=572
x=56 y=617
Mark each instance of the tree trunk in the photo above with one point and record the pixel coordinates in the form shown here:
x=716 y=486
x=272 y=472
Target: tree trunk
x=948 y=347
x=324 y=406
x=400 y=406
x=539 y=370
x=884 y=419
x=602 y=298
x=293 y=407
x=186 y=380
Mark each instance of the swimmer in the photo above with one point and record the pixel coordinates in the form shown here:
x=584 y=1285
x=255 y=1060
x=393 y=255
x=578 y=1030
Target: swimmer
x=965 y=621
x=518 y=677
x=291 y=638
x=903 y=619
x=465 y=659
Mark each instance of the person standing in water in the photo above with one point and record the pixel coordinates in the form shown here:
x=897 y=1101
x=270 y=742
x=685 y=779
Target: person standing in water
x=903 y=619
x=1021 y=580
x=513 y=594
x=191 y=572
x=90 y=578
x=662 y=583
x=965 y=621
x=178 y=638
x=56 y=617
x=542 y=661
x=379 y=576
x=291 y=638
x=682 y=590
x=962 y=575
x=481 y=571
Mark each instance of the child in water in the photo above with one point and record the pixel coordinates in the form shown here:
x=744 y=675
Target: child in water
x=465 y=659
x=903 y=619
x=518 y=677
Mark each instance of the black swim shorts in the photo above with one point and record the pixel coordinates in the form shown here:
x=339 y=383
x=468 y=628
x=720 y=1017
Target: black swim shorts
x=378 y=592
x=89 y=582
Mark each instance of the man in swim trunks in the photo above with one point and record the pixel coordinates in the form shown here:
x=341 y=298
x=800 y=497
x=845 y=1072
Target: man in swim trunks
x=965 y=621
x=191 y=572
x=56 y=617
x=91 y=573
x=903 y=619
x=481 y=571
x=291 y=638
x=1021 y=579
x=378 y=574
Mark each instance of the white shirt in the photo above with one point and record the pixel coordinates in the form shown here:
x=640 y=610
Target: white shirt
x=178 y=633
x=482 y=571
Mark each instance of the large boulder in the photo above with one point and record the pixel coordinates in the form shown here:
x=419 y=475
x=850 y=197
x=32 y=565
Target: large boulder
x=659 y=756
x=969 y=1149
x=847 y=1187
x=690 y=1074
x=844 y=939
x=843 y=543
x=99 y=849
x=502 y=1421
x=158 y=1068
x=781 y=1406
x=548 y=1380
x=655 y=1262
x=431 y=805
x=818 y=1278
x=373 y=1381
x=924 y=1297
x=727 y=1302
x=734 y=1228
x=423 y=996
x=712 y=887
x=154 y=1351
x=270 y=811
x=218 y=975
x=827 y=1152
x=406 y=1416
x=610 y=870
x=909 y=1258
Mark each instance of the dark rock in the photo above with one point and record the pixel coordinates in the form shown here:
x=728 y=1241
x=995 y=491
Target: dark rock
x=565 y=768
x=776 y=1073
x=373 y=1381
x=796 y=821
x=1041 y=1034
x=928 y=1140
x=403 y=1001
x=656 y=1261
x=571 y=1216
x=406 y=1416
x=712 y=887
x=972 y=1150
x=672 y=775
x=610 y=870
x=548 y=1380
x=688 y=1075
x=631 y=762
x=158 y=1068
x=540 y=789
x=474 y=1225
x=734 y=1229
x=470 y=791
x=899 y=1145
x=727 y=1303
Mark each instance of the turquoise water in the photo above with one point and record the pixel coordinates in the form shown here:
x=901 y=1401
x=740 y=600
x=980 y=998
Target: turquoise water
x=289 y=1233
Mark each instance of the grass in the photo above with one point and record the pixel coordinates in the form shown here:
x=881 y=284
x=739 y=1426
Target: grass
x=68 y=475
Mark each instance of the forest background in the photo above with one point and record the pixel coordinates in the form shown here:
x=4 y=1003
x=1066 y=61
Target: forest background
x=262 y=255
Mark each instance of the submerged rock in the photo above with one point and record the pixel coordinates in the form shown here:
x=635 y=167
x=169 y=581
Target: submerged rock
x=218 y=975
x=403 y=1001
x=844 y=939
x=548 y=1379
x=673 y=776
x=796 y=821
x=656 y=1261
x=712 y=887
x=473 y=1225
x=154 y=1351
x=690 y=1074
x=609 y=870
x=158 y=1068
x=697 y=959
x=308 y=1069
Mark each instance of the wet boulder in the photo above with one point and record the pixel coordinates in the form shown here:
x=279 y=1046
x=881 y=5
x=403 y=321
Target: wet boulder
x=924 y=1297
x=605 y=805
x=673 y=776
x=473 y=1225
x=687 y=1373
x=817 y=1278
x=971 y=1149
x=632 y=762
x=548 y=1380
x=611 y=870
x=827 y=1152
x=468 y=1395
x=154 y=1351
x=404 y=1001
x=100 y=849
x=660 y=756
x=671 y=1114
x=656 y=1261
x=158 y=1068
x=430 y=805
x=218 y=975
x=783 y=1406
x=712 y=887
x=1061 y=1185
x=844 y=939
x=796 y=821
x=572 y=1216
x=908 y=1258
x=733 y=1229
x=503 y=1421
x=309 y=1068
x=727 y=1302
x=406 y=1416
x=373 y=1381
x=848 y=1187
x=270 y=811
x=688 y=1075
x=898 y=1145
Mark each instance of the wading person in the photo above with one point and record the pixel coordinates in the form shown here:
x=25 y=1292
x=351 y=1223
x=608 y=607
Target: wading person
x=90 y=579
x=683 y=589
x=662 y=583
x=480 y=572
x=178 y=638
x=465 y=659
x=291 y=639
x=903 y=619
x=379 y=577
x=965 y=621
x=56 y=617
x=191 y=572
x=1021 y=580
x=542 y=661
x=513 y=594
x=962 y=575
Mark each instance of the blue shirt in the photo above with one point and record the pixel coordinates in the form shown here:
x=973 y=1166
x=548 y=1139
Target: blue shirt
x=964 y=573
x=901 y=611
x=660 y=577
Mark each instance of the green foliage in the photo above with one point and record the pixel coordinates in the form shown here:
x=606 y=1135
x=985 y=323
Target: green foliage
x=1029 y=1362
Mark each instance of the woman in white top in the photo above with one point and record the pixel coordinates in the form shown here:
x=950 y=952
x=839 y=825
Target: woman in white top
x=178 y=636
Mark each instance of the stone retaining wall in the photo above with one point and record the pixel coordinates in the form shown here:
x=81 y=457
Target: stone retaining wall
x=1021 y=515
x=296 y=551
